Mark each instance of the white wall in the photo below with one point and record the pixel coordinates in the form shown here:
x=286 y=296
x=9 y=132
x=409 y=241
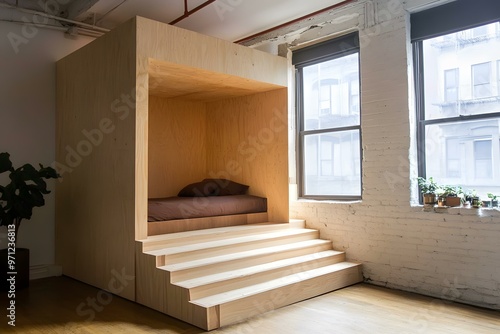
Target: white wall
x=27 y=120
x=453 y=254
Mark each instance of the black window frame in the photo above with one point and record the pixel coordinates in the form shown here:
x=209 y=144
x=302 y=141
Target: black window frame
x=312 y=55
x=439 y=21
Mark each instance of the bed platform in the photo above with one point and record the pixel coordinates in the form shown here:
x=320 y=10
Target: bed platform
x=193 y=224
x=180 y=214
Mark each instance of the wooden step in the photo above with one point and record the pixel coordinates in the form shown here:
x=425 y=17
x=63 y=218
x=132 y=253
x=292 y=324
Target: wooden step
x=233 y=244
x=239 y=304
x=231 y=261
x=222 y=281
x=216 y=277
x=185 y=238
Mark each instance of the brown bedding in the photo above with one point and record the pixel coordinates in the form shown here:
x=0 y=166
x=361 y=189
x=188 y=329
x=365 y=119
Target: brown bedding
x=161 y=209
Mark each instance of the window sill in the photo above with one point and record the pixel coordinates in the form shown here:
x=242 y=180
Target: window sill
x=326 y=201
x=463 y=210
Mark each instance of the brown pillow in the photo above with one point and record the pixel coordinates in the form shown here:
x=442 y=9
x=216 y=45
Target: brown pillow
x=199 y=189
x=227 y=187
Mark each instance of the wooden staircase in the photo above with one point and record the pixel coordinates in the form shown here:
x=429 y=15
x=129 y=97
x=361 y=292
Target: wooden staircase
x=216 y=277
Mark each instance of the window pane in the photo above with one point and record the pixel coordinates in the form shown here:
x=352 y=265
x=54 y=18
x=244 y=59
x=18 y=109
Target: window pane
x=453 y=158
x=451 y=85
x=483 y=159
x=330 y=100
x=448 y=94
x=332 y=164
x=465 y=153
x=481 y=80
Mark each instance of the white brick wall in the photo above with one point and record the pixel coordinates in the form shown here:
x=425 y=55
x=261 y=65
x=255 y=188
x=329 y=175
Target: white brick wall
x=453 y=255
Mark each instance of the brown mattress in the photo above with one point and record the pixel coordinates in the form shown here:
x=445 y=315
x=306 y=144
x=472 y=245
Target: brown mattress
x=169 y=208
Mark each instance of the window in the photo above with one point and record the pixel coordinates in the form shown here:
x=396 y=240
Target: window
x=451 y=85
x=481 y=31
x=483 y=159
x=328 y=113
x=458 y=127
x=481 y=85
x=453 y=159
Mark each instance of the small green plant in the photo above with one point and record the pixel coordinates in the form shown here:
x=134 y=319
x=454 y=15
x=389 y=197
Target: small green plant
x=427 y=186
x=450 y=191
x=492 y=197
x=470 y=195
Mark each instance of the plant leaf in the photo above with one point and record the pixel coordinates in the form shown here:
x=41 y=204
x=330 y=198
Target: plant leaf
x=5 y=163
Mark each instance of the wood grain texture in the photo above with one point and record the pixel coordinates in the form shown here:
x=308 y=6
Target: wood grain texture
x=191 y=83
x=177 y=145
x=182 y=225
x=176 y=63
x=237 y=310
x=155 y=291
x=151 y=145
x=95 y=151
x=248 y=143
x=49 y=306
x=183 y=48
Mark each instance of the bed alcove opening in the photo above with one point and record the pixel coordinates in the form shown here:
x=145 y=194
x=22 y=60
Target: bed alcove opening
x=203 y=124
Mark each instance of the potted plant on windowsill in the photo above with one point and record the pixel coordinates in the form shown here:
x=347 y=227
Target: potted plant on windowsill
x=493 y=203
x=428 y=188
x=453 y=195
x=24 y=192
x=470 y=196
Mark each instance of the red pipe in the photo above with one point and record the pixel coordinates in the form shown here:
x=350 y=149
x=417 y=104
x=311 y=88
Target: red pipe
x=293 y=21
x=194 y=10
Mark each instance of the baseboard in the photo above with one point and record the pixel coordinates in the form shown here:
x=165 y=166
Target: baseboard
x=45 y=270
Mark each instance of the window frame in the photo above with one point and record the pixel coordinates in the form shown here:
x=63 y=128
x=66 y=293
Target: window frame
x=421 y=122
x=316 y=54
x=473 y=80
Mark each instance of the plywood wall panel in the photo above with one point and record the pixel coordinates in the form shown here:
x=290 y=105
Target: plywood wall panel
x=177 y=145
x=95 y=201
x=248 y=143
x=167 y=43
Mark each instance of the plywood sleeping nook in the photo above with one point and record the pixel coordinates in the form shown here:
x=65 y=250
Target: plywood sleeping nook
x=143 y=112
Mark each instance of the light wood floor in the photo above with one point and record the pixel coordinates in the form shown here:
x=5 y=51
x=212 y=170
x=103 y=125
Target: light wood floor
x=62 y=305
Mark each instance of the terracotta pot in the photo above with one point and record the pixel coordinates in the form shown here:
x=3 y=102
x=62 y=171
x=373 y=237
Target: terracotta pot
x=21 y=269
x=453 y=201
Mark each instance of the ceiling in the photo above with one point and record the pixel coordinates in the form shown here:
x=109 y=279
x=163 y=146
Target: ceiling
x=231 y=20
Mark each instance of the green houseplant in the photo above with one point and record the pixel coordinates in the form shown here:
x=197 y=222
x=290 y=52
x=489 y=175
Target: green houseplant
x=454 y=195
x=493 y=200
x=471 y=196
x=428 y=188
x=24 y=191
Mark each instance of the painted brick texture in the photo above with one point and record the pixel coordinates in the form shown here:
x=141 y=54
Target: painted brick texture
x=454 y=255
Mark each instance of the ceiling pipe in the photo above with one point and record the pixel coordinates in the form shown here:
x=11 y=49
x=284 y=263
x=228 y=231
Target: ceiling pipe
x=57 y=18
x=79 y=31
x=293 y=21
x=187 y=12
